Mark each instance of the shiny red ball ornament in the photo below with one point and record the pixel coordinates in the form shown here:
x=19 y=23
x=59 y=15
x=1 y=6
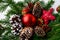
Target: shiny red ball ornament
x=25 y=10
x=28 y=20
x=47 y=15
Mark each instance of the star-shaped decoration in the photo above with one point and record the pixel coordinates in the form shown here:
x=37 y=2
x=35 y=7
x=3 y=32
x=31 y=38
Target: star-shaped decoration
x=47 y=16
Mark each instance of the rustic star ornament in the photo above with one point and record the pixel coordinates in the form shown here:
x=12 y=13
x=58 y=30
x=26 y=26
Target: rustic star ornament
x=47 y=16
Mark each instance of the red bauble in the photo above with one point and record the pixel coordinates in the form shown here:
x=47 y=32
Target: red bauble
x=28 y=20
x=25 y=10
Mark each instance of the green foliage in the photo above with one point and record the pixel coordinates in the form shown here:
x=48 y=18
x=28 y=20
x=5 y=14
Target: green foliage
x=3 y=6
x=16 y=8
x=49 y=4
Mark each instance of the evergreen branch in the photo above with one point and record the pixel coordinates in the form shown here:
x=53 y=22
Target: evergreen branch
x=10 y=12
x=20 y=4
x=4 y=21
x=49 y=4
x=7 y=1
x=42 y=3
x=15 y=8
x=12 y=4
x=7 y=28
x=10 y=1
x=9 y=36
x=3 y=7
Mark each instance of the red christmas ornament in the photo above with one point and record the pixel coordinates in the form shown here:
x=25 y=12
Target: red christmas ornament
x=28 y=20
x=25 y=10
x=47 y=15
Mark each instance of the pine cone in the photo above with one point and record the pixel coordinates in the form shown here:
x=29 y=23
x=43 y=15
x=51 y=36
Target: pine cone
x=46 y=28
x=26 y=32
x=39 y=31
x=37 y=9
x=16 y=23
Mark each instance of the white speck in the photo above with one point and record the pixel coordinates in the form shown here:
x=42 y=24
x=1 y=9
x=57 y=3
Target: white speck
x=17 y=29
x=20 y=26
x=11 y=27
x=29 y=32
